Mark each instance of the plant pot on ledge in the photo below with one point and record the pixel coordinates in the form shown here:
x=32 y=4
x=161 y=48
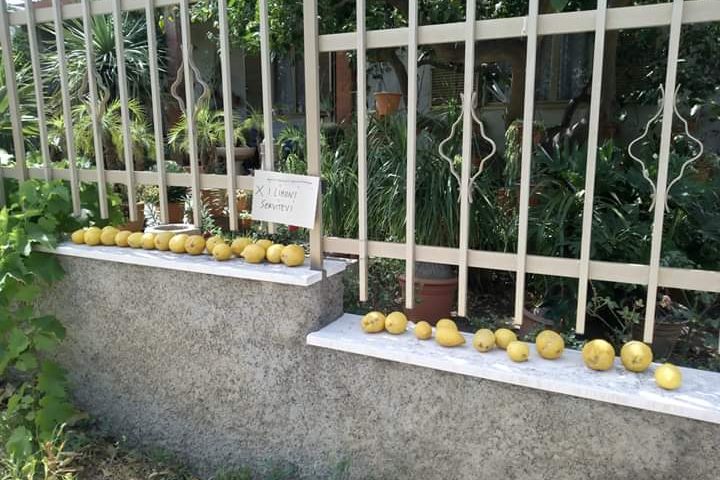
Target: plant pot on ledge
x=665 y=336
x=434 y=296
x=387 y=103
x=139 y=224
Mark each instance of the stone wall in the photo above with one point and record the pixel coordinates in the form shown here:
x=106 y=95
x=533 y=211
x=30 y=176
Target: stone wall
x=217 y=371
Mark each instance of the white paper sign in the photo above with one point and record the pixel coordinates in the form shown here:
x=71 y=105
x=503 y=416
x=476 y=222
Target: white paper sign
x=285 y=198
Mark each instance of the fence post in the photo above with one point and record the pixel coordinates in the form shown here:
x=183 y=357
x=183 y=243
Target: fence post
x=12 y=94
x=362 y=121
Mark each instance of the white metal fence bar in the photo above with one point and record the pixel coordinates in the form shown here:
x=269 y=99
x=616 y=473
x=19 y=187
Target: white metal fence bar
x=589 y=197
x=72 y=11
x=228 y=112
x=124 y=109
x=39 y=89
x=190 y=111
x=362 y=148
x=12 y=94
x=266 y=76
x=66 y=107
x=526 y=160
x=156 y=109
x=663 y=167
x=95 y=114
x=412 y=53
x=468 y=86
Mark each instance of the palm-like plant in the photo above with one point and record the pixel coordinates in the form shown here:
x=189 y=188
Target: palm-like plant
x=28 y=112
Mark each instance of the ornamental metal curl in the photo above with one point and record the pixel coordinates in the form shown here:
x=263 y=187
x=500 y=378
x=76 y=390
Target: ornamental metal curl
x=645 y=172
x=206 y=91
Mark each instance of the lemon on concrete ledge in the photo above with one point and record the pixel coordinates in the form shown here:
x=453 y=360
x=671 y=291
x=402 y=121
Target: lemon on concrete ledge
x=135 y=240
x=238 y=245
x=396 y=323
x=177 y=243
x=668 y=376
x=121 y=239
x=446 y=323
x=373 y=322
x=598 y=354
x=195 y=244
x=518 y=351
x=78 y=236
x=148 y=241
x=107 y=235
x=636 y=356
x=423 y=330
x=162 y=240
x=447 y=335
x=92 y=236
x=484 y=340
x=273 y=253
x=264 y=243
x=222 y=252
x=253 y=253
x=503 y=337
x=293 y=255
x=212 y=241
x=549 y=344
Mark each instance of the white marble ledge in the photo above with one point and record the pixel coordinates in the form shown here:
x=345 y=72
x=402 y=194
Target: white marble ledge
x=237 y=268
x=698 y=397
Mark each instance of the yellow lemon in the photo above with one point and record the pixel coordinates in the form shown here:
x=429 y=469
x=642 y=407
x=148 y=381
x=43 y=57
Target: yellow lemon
x=668 y=376
x=222 y=252
x=636 y=356
x=484 y=340
x=162 y=240
x=293 y=255
x=503 y=337
x=78 y=236
x=264 y=243
x=253 y=253
x=195 y=244
x=92 y=236
x=135 y=240
x=549 y=344
x=448 y=337
x=423 y=330
x=274 y=252
x=518 y=351
x=212 y=241
x=598 y=354
x=148 y=241
x=373 y=322
x=446 y=323
x=177 y=243
x=396 y=323
x=107 y=235
x=238 y=245
x=121 y=239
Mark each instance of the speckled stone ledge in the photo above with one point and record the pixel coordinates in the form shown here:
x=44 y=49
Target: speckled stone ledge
x=235 y=268
x=698 y=397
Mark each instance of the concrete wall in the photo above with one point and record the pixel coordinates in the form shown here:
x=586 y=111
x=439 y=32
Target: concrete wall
x=217 y=370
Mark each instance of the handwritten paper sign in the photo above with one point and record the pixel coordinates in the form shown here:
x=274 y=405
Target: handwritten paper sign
x=285 y=198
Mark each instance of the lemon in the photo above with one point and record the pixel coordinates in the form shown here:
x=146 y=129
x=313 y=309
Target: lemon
x=396 y=323
x=293 y=255
x=273 y=253
x=253 y=253
x=668 y=376
x=423 y=330
x=239 y=244
x=264 y=243
x=518 y=351
x=135 y=240
x=121 y=239
x=78 y=236
x=598 y=354
x=373 y=322
x=162 y=240
x=212 y=241
x=503 y=337
x=148 y=241
x=92 y=236
x=484 y=340
x=636 y=356
x=448 y=337
x=222 y=252
x=177 y=243
x=549 y=344
x=107 y=235
x=195 y=244
x=446 y=323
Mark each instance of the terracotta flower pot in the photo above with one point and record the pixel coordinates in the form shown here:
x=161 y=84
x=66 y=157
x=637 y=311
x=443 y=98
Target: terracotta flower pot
x=665 y=336
x=434 y=298
x=176 y=212
x=387 y=103
x=534 y=320
x=139 y=224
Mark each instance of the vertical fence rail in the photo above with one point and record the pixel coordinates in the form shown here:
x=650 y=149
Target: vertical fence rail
x=526 y=160
x=663 y=167
x=95 y=114
x=66 y=107
x=589 y=199
x=39 y=89
x=266 y=76
x=362 y=147
x=124 y=109
x=156 y=109
x=190 y=110
x=468 y=86
x=312 y=118
x=12 y=93
x=228 y=113
x=412 y=94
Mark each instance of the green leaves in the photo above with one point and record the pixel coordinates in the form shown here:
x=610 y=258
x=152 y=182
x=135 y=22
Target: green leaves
x=19 y=444
x=559 y=5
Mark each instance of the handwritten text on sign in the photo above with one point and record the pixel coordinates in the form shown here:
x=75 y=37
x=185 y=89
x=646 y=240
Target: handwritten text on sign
x=285 y=198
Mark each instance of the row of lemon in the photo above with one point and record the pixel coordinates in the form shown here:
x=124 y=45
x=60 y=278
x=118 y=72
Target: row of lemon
x=252 y=252
x=597 y=354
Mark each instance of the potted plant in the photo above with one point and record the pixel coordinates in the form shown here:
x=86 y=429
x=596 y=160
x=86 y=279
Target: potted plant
x=149 y=195
x=671 y=322
x=245 y=220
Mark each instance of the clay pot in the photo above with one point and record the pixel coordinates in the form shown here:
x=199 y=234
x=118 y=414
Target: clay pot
x=534 y=320
x=139 y=224
x=434 y=298
x=176 y=212
x=665 y=336
x=386 y=103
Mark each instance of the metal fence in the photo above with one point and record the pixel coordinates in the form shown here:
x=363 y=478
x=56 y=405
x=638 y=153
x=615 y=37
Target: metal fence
x=532 y=26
